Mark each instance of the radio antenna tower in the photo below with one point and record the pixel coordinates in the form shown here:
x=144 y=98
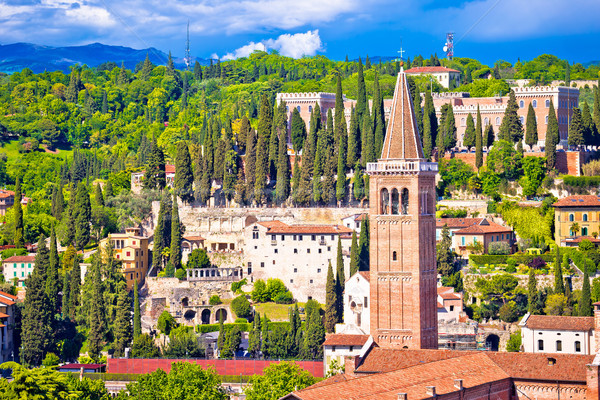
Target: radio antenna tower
x=188 y=58
x=449 y=45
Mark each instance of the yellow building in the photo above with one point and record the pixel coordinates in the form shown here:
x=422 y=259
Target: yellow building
x=132 y=250
x=576 y=217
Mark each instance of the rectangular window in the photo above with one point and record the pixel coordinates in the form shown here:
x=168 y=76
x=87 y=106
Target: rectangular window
x=318 y=270
x=320 y=251
x=308 y=251
x=463 y=240
x=295 y=270
x=28 y=265
x=295 y=251
x=282 y=238
x=273 y=237
x=299 y=237
x=328 y=248
x=366 y=302
x=128 y=254
x=578 y=346
x=294 y=237
x=313 y=237
x=332 y=237
x=311 y=281
x=291 y=281
x=275 y=251
x=540 y=345
x=22 y=265
x=451 y=308
x=558 y=345
x=262 y=264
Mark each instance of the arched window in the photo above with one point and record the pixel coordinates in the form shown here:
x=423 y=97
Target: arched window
x=585 y=217
x=521 y=104
x=547 y=103
x=385 y=201
x=298 y=108
x=534 y=103
x=541 y=345
x=486 y=121
x=571 y=217
x=497 y=120
x=522 y=119
x=584 y=231
x=463 y=122
x=577 y=346
x=309 y=108
x=395 y=201
x=394 y=256
x=559 y=345
x=405 y=201
x=546 y=119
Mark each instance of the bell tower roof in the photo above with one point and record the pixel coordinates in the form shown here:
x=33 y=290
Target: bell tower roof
x=402 y=139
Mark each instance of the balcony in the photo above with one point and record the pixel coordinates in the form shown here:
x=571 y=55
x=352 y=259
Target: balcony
x=273 y=242
x=398 y=166
x=322 y=242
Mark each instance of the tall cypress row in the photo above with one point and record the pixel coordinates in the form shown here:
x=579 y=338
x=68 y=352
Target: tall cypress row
x=559 y=286
x=18 y=214
x=75 y=289
x=353 y=153
x=585 y=305
x=137 y=315
x=552 y=138
x=184 y=178
x=354 y=255
x=331 y=308
x=282 y=190
x=265 y=121
x=478 y=140
x=52 y=279
x=175 y=257
x=361 y=100
x=531 y=131
x=122 y=330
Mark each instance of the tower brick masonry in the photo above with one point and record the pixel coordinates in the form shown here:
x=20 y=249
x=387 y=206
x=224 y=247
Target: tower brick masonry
x=402 y=253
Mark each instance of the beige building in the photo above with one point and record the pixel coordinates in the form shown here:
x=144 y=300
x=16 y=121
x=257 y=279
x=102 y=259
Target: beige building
x=132 y=250
x=484 y=233
x=447 y=77
x=450 y=304
x=576 y=217
x=7 y=199
x=18 y=268
x=558 y=334
x=297 y=254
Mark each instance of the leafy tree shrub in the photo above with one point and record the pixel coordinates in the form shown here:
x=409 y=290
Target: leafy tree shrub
x=508 y=312
x=259 y=292
x=183 y=342
x=241 y=307
x=240 y=321
x=275 y=287
x=198 y=259
x=50 y=360
x=514 y=342
x=144 y=347
x=166 y=322
x=499 y=248
x=277 y=381
x=235 y=286
x=284 y=298
x=180 y=274
x=536 y=263
x=214 y=300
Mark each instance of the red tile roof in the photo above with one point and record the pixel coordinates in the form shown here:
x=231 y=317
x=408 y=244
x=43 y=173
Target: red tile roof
x=2 y=315
x=560 y=323
x=310 y=229
x=271 y=224
x=456 y=222
x=366 y=275
x=579 y=239
x=85 y=366
x=338 y=339
x=7 y=295
x=194 y=238
x=15 y=259
x=578 y=201
x=385 y=360
x=6 y=193
x=429 y=70
x=483 y=227
x=169 y=169
x=567 y=367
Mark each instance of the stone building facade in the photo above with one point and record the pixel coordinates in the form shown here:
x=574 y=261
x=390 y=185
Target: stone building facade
x=299 y=255
x=132 y=250
x=402 y=237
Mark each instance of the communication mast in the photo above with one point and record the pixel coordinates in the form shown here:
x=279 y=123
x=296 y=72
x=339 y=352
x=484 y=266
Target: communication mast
x=188 y=58
x=449 y=45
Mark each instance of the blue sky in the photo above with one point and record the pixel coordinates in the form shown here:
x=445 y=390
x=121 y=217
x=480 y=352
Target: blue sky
x=484 y=29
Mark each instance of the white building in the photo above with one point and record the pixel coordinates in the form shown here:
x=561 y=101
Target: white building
x=558 y=334
x=337 y=346
x=450 y=305
x=355 y=222
x=299 y=255
x=357 y=318
x=7 y=326
x=19 y=268
x=444 y=76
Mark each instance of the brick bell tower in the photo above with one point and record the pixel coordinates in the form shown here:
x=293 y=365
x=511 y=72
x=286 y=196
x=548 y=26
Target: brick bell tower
x=402 y=236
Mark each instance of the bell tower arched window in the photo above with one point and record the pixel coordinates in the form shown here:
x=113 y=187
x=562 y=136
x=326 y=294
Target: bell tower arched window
x=394 y=256
x=395 y=201
x=385 y=201
x=404 y=201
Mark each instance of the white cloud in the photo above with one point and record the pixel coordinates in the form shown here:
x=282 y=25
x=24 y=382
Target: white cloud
x=90 y=15
x=296 y=46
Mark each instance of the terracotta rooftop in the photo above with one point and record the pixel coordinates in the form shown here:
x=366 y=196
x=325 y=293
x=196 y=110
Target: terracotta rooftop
x=15 y=259
x=454 y=223
x=77 y=366
x=429 y=70
x=169 y=169
x=446 y=294
x=271 y=224
x=560 y=323
x=384 y=360
x=579 y=239
x=4 y=294
x=194 y=238
x=484 y=227
x=336 y=339
x=474 y=369
x=6 y=193
x=309 y=229
x=578 y=201
x=402 y=139
x=2 y=315
x=366 y=275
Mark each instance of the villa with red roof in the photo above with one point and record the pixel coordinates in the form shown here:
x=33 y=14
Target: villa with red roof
x=447 y=77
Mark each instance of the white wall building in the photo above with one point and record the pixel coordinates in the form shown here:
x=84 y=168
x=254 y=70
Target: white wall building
x=18 y=267
x=338 y=346
x=444 y=76
x=355 y=222
x=299 y=255
x=357 y=292
x=558 y=334
x=450 y=304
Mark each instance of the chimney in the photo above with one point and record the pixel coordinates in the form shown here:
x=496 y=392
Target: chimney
x=402 y=396
x=597 y=327
x=458 y=383
x=350 y=364
x=431 y=391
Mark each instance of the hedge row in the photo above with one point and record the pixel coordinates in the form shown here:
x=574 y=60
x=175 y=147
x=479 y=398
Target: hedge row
x=581 y=181
x=503 y=259
x=244 y=327
x=134 y=377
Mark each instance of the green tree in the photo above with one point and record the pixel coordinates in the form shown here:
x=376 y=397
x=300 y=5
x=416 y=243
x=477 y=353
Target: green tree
x=445 y=255
x=162 y=230
x=97 y=318
x=532 y=292
x=363 y=244
x=511 y=129
x=277 y=381
x=282 y=190
x=314 y=335
x=559 y=286
x=18 y=215
x=552 y=138
x=340 y=280
x=331 y=306
x=155 y=175
x=198 y=259
x=489 y=137
x=429 y=137
x=531 y=131
x=166 y=323
x=576 y=129
x=143 y=346
x=514 y=342
x=176 y=236
x=36 y=337
x=123 y=334
x=298 y=131
x=354 y=255
x=74 y=289
x=265 y=121
x=585 y=303
x=358 y=185
x=353 y=153
x=469 y=139
x=137 y=314
x=254 y=339
x=478 y=141
x=241 y=307
x=184 y=177
x=556 y=304
x=52 y=279
x=83 y=216
x=361 y=99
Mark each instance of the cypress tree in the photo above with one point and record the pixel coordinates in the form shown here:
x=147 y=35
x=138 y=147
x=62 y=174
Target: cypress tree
x=175 y=257
x=242 y=135
x=75 y=289
x=298 y=131
x=265 y=121
x=52 y=279
x=73 y=89
x=122 y=78
x=64 y=309
x=429 y=112
x=254 y=339
x=96 y=318
x=331 y=307
x=123 y=334
x=282 y=189
x=488 y=136
x=596 y=117
x=576 y=129
x=250 y=167
x=531 y=131
x=478 y=141
x=427 y=134
x=197 y=71
x=83 y=216
x=450 y=129
x=296 y=177
x=585 y=307
x=184 y=178
x=340 y=281
x=532 y=292
x=340 y=188
x=378 y=116
x=314 y=337
x=367 y=62
x=361 y=100
x=418 y=110
x=18 y=213
x=58 y=201
x=469 y=139
x=340 y=118
x=589 y=129
x=354 y=255
x=567 y=74
x=368 y=146
x=552 y=138
x=104 y=103
x=36 y=336
x=163 y=225
x=147 y=68
x=328 y=185
x=363 y=244
x=154 y=175
x=358 y=187
x=353 y=153
x=137 y=315
x=108 y=190
x=222 y=335
x=511 y=129
x=559 y=287
x=98 y=197
x=266 y=339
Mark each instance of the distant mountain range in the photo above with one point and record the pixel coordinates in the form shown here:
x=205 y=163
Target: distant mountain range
x=17 y=56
